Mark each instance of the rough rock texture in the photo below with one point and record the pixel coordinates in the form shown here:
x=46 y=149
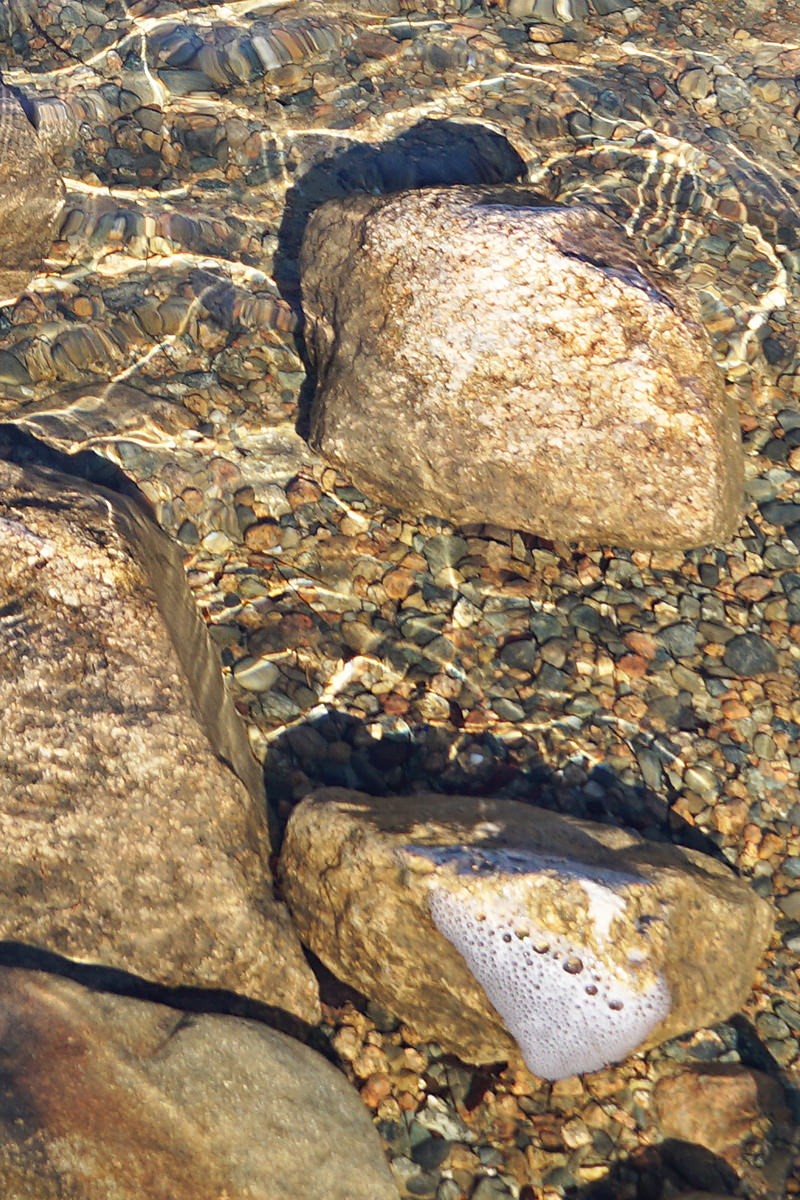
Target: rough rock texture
x=31 y=194
x=737 y=1113
x=126 y=841
x=362 y=876
x=485 y=358
x=109 y=1098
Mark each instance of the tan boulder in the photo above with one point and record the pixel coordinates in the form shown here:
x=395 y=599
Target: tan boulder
x=127 y=841
x=31 y=195
x=485 y=357
x=589 y=941
x=110 y=1098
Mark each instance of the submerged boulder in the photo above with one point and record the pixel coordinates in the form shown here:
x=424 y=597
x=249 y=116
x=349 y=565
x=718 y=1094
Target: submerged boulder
x=110 y=1098
x=127 y=841
x=485 y=357
x=31 y=194
x=489 y=922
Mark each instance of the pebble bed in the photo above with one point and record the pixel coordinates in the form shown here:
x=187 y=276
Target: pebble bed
x=392 y=652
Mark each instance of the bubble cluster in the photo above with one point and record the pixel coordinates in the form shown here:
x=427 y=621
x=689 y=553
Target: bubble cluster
x=568 y=1011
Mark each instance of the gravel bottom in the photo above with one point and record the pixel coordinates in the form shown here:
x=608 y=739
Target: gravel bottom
x=392 y=652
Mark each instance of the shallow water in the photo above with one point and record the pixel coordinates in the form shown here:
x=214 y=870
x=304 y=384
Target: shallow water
x=195 y=140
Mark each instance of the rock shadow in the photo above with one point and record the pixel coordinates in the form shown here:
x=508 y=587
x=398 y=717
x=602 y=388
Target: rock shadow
x=335 y=749
x=754 y=1052
x=432 y=153
x=20 y=447
x=661 y=1172
x=115 y=980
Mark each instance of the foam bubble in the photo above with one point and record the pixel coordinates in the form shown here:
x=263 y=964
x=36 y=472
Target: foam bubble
x=568 y=1011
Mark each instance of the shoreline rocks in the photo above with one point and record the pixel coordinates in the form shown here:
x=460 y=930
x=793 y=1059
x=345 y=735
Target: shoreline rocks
x=127 y=842
x=109 y=1097
x=485 y=356
x=589 y=941
x=31 y=195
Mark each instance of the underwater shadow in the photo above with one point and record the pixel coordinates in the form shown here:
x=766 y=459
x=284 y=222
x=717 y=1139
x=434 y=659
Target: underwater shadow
x=432 y=153
x=661 y=1172
x=119 y=982
x=335 y=749
x=22 y=448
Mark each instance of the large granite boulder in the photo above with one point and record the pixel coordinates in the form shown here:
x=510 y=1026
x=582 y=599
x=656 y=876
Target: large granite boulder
x=589 y=941
x=108 y=1097
x=31 y=195
x=127 y=841
x=485 y=357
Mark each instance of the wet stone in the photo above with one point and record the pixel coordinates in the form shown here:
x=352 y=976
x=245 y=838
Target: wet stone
x=680 y=640
x=749 y=655
x=162 y=275
x=520 y=655
x=255 y=675
x=444 y=551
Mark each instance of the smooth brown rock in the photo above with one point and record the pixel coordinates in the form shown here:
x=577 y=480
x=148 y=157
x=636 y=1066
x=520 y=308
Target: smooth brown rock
x=109 y=1098
x=368 y=879
x=126 y=841
x=486 y=357
x=31 y=194
x=737 y=1113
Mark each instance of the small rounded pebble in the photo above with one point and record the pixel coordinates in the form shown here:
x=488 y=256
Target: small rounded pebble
x=749 y=655
x=257 y=675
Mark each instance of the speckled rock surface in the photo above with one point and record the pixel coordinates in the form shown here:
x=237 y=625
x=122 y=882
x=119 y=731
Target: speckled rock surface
x=127 y=842
x=111 y=1098
x=484 y=356
x=31 y=194
x=363 y=877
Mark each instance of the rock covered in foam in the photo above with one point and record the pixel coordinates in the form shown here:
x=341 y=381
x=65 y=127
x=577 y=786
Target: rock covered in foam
x=494 y=927
x=567 y=1009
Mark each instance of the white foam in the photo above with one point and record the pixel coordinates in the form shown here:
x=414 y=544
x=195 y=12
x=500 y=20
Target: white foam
x=604 y=905
x=568 y=1011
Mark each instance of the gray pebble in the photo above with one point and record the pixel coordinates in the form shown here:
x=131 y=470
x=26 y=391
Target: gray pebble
x=554 y=652
x=188 y=533
x=443 y=551
x=680 y=639
x=770 y=1026
x=12 y=370
x=749 y=654
x=788 y=1013
x=790 y=905
x=520 y=655
x=701 y=780
x=432 y=1151
x=507 y=710
x=584 y=616
x=448 y=1189
x=545 y=626
x=257 y=675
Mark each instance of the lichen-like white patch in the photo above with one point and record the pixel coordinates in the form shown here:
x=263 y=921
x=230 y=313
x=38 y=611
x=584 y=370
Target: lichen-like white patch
x=568 y=1011
x=604 y=905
